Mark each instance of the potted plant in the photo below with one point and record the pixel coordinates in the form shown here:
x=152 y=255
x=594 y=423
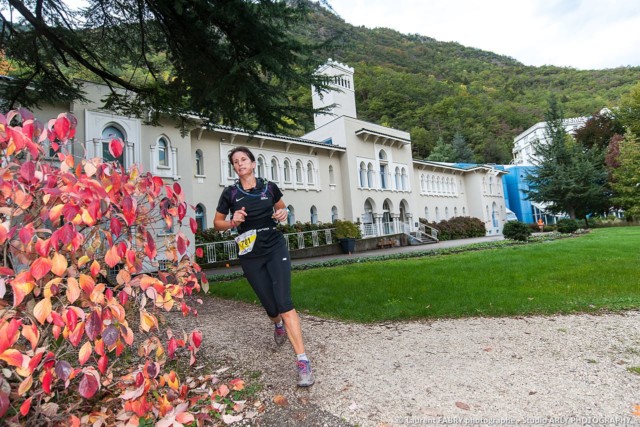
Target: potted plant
x=347 y=232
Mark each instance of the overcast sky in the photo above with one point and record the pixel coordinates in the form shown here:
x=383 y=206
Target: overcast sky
x=583 y=34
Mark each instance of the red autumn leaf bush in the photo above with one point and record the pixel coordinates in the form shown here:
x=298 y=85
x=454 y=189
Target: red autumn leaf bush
x=64 y=225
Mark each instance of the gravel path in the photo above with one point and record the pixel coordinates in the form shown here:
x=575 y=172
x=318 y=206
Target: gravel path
x=529 y=370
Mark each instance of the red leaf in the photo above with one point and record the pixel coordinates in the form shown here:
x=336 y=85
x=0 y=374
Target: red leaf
x=172 y=347
x=47 y=380
x=28 y=171
x=40 y=267
x=182 y=244
x=196 y=338
x=93 y=325
x=26 y=234
x=123 y=297
x=103 y=363
x=4 y=403
x=182 y=211
x=116 y=147
x=150 y=247
x=116 y=226
x=194 y=225
x=88 y=386
x=25 y=407
x=61 y=127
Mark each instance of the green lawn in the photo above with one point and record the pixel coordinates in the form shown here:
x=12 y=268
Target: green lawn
x=597 y=271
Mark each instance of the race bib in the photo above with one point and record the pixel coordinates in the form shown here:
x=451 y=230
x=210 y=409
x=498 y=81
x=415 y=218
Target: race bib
x=246 y=241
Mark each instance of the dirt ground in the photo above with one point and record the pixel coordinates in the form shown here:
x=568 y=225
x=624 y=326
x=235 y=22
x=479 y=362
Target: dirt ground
x=570 y=370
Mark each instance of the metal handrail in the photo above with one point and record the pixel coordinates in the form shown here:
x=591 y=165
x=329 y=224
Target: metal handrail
x=227 y=250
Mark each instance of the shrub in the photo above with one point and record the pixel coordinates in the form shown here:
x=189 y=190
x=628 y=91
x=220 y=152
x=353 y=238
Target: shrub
x=460 y=227
x=64 y=333
x=516 y=230
x=567 y=225
x=347 y=229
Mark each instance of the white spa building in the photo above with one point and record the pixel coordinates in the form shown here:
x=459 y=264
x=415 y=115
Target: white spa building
x=345 y=168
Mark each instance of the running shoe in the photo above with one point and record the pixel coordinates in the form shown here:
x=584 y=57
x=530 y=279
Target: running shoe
x=279 y=334
x=305 y=376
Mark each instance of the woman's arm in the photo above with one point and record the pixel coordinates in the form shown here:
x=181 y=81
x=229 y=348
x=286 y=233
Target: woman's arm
x=220 y=222
x=280 y=211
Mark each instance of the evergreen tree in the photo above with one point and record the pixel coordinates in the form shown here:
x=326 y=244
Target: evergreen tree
x=442 y=152
x=463 y=153
x=228 y=61
x=569 y=178
x=626 y=177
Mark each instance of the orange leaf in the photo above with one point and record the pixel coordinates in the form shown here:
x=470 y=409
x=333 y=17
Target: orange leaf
x=32 y=334
x=97 y=295
x=25 y=385
x=13 y=357
x=280 y=400
x=40 y=267
x=147 y=321
x=237 y=384
x=59 y=264
x=42 y=310
x=95 y=268
x=73 y=290
x=85 y=352
x=87 y=284
x=112 y=258
x=22 y=286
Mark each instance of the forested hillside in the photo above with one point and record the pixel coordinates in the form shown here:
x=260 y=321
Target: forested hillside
x=434 y=89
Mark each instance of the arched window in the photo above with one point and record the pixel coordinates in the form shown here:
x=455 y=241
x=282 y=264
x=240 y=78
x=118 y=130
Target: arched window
x=494 y=215
x=422 y=183
x=314 y=215
x=299 y=172
x=260 y=172
x=490 y=185
x=310 y=173
x=370 y=175
x=363 y=175
x=163 y=151
x=108 y=133
x=287 y=171
x=200 y=219
x=405 y=184
x=398 y=183
x=464 y=211
x=383 y=176
x=230 y=172
x=484 y=184
x=437 y=214
x=199 y=163
x=426 y=213
x=430 y=184
x=334 y=214
x=291 y=217
x=446 y=212
x=274 y=169
x=382 y=155
x=455 y=211
x=438 y=188
x=332 y=178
